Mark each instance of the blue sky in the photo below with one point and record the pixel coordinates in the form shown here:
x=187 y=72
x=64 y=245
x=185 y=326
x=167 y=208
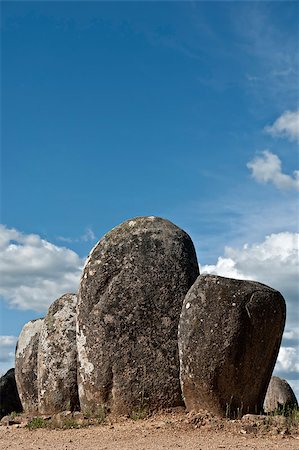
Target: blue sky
x=186 y=110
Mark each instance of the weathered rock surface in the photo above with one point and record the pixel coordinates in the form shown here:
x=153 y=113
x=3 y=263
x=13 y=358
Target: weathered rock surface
x=26 y=365
x=130 y=298
x=279 y=395
x=57 y=358
x=9 y=397
x=229 y=336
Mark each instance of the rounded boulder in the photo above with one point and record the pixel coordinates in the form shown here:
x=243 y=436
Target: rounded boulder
x=57 y=358
x=130 y=297
x=279 y=396
x=26 y=365
x=229 y=336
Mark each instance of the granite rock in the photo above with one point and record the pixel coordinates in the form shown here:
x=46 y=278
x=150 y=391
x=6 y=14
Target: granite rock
x=130 y=297
x=229 y=336
x=26 y=365
x=279 y=396
x=57 y=358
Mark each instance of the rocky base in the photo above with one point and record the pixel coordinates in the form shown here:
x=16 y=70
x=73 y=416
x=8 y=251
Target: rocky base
x=64 y=419
x=249 y=424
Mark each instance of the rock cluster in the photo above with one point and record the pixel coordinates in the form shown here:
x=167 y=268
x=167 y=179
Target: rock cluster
x=46 y=360
x=117 y=347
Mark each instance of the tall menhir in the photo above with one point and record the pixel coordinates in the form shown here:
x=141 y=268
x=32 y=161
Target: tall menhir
x=130 y=298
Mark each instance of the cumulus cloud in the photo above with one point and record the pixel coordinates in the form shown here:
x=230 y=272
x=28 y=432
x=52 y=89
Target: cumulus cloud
x=288 y=360
x=7 y=350
x=291 y=335
x=287 y=126
x=267 y=169
x=35 y=272
x=7 y=347
x=275 y=260
x=7 y=353
x=275 y=263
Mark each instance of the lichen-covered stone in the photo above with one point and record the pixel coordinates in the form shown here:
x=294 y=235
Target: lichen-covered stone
x=57 y=358
x=9 y=397
x=130 y=298
x=26 y=365
x=229 y=336
x=279 y=396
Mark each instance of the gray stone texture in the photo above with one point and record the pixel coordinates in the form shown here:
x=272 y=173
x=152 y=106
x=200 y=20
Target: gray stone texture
x=229 y=336
x=57 y=358
x=279 y=396
x=130 y=298
x=9 y=397
x=26 y=365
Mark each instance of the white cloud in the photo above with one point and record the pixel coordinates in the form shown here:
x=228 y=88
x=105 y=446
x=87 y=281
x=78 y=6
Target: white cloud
x=275 y=263
x=287 y=125
x=35 y=272
x=87 y=236
x=7 y=353
x=225 y=267
x=288 y=360
x=276 y=258
x=267 y=168
x=7 y=349
x=291 y=335
x=7 y=341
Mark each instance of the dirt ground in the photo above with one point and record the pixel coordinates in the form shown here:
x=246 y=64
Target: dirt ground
x=175 y=430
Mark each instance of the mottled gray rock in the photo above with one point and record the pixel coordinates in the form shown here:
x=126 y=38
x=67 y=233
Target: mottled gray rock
x=9 y=397
x=130 y=298
x=26 y=365
x=229 y=336
x=57 y=358
x=279 y=396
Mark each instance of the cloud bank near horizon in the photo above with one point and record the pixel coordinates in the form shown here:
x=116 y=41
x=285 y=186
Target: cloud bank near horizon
x=34 y=272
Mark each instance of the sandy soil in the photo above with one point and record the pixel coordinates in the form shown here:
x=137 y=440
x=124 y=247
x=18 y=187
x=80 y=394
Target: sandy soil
x=164 y=431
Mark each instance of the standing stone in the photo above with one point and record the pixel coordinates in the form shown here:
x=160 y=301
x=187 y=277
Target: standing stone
x=9 y=397
x=26 y=365
x=229 y=336
x=279 y=396
x=131 y=293
x=57 y=358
